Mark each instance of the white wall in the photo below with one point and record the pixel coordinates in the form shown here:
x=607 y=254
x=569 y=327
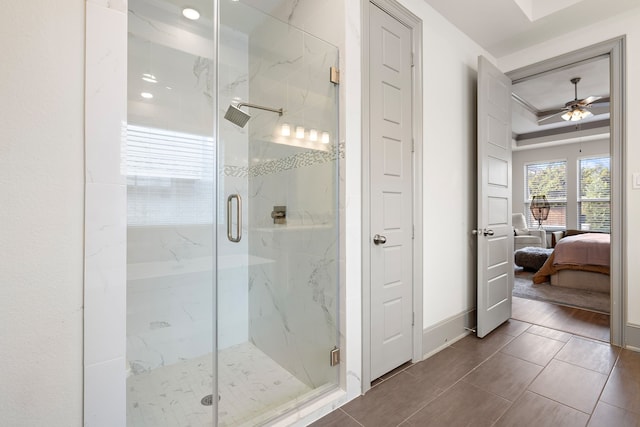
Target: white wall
x=629 y=25
x=41 y=211
x=569 y=152
x=449 y=165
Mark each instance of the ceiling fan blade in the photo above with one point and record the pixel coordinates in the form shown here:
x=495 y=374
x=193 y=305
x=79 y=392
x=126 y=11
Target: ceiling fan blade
x=589 y=100
x=545 y=113
x=602 y=100
x=554 y=114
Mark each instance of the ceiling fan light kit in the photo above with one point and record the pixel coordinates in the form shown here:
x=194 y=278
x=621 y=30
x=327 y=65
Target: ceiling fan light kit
x=575 y=110
x=577 y=114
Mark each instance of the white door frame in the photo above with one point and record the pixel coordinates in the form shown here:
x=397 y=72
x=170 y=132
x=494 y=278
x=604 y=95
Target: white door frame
x=415 y=26
x=615 y=49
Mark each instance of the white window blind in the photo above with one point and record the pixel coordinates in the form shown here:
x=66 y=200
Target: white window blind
x=594 y=195
x=547 y=179
x=169 y=177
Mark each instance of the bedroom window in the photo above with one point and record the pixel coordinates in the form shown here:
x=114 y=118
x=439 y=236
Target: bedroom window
x=594 y=195
x=169 y=177
x=549 y=179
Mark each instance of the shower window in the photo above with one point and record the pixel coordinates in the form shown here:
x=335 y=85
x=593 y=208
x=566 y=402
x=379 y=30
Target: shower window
x=169 y=177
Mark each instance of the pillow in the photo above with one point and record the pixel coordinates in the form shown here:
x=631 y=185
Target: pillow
x=522 y=231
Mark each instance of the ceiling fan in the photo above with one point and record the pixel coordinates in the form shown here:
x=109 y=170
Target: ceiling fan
x=574 y=110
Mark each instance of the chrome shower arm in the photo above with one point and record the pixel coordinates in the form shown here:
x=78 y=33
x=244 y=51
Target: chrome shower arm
x=260 y=107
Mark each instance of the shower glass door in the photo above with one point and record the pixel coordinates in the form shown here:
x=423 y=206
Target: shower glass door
x=170 y=167
x=232 y=223
x=277 y=216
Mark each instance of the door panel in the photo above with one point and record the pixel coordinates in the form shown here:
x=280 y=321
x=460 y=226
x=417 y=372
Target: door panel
x=391 y=193
x=495 y=234
x=278 y=296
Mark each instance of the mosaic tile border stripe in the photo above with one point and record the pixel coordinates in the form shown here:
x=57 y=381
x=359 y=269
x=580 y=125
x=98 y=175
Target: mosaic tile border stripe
x=307 y=158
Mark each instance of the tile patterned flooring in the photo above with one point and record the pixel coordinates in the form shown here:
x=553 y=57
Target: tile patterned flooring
x=522 y=374
x=568 y=319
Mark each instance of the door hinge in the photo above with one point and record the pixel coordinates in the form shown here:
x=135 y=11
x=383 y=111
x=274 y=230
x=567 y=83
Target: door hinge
x=412 y=64
x=413 y=145
x=334 y=356
x=413 y=231
x=334 y=76
x=413 y=318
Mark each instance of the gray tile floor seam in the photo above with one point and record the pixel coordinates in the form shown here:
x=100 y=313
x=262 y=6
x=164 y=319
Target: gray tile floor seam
x=347 y=414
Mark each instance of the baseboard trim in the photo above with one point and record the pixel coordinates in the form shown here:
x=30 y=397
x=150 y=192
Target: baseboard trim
x=443 y=334
x=632 y=336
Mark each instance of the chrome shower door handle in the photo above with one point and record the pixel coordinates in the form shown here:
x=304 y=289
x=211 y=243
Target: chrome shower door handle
x=238 y=236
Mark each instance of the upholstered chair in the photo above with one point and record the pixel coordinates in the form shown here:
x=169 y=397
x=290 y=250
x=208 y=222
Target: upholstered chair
x=524 y=237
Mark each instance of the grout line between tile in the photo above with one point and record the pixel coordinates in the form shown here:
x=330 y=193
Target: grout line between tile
x=604 y=387
x=407 y=365
x=560 y=403
x=349 y=415
x=462 y=378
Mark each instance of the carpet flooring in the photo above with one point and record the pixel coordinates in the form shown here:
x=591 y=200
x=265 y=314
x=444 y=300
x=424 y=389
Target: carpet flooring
x=588 y=300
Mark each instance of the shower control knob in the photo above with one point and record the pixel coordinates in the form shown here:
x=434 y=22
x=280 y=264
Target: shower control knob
x=379 y=240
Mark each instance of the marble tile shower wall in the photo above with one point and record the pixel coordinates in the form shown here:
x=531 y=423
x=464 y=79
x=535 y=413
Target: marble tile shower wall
x=293 y=302
x=335 y=21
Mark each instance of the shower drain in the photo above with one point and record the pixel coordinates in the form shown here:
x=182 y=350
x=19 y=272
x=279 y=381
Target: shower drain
x=208 y=400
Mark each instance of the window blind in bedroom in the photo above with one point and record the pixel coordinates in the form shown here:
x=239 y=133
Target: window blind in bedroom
x=594 y=195
x=548 y=179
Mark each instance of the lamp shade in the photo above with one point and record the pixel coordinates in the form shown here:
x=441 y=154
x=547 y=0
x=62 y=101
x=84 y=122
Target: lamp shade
x=540 y=208
x=577 y=114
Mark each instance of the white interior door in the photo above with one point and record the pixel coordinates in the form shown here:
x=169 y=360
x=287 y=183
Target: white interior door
x=391 y=192
x=494 y=231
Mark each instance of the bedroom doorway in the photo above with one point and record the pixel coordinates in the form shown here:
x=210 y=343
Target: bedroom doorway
x=555 y=313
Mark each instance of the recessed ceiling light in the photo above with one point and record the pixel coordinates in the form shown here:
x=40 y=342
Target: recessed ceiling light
x=146 y=95
x=191 y=13
x=147 y=77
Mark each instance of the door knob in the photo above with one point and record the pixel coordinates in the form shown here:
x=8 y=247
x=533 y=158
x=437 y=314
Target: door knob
x=379 y=240
x=484 y=232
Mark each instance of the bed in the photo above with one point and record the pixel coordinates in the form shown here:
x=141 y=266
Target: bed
x=578 y=261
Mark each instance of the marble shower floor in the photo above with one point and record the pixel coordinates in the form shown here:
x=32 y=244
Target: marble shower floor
x=251 y=384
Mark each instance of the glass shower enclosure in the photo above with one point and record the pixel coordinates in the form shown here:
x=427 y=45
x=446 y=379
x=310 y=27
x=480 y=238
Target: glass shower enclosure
x=232 y=261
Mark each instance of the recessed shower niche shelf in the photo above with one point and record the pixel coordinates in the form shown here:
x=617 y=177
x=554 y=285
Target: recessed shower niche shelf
x=148 y=270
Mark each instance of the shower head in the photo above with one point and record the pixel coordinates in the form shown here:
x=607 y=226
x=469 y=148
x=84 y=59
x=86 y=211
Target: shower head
x=238 y=117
